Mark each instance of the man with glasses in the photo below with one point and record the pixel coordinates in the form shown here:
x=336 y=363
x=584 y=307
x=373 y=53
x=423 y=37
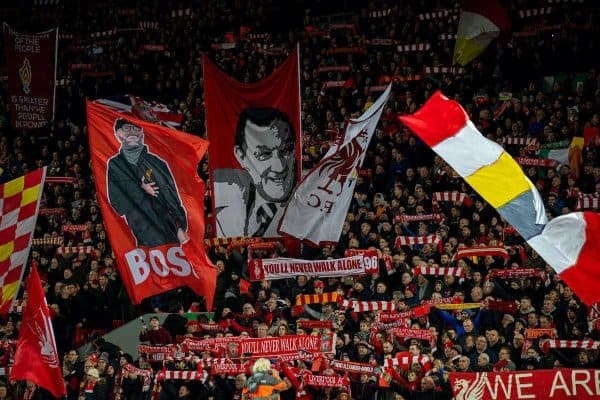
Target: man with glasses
x=142 y=190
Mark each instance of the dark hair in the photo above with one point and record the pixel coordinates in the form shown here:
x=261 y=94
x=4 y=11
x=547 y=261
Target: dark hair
x=261 y=117
x=120 y=122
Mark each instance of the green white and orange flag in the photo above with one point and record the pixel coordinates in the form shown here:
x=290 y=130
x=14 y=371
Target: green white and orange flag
x=480 y=23
x=19 y=206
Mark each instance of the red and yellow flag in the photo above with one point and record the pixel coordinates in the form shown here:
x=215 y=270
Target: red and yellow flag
x=19 y=202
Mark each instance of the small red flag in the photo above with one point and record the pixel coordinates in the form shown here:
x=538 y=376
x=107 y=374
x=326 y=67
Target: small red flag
x=36 y=358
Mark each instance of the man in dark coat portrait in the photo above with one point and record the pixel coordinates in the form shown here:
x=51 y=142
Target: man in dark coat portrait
x=141 y=189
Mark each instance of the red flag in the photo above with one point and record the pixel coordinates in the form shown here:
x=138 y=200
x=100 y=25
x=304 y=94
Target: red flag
x=152 y=201
x=36 y=358
x=254 y=131
x=31 y=70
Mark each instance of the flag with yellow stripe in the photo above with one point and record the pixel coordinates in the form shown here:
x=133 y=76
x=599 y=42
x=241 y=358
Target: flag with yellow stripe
x=329 y=297
x=19 y=204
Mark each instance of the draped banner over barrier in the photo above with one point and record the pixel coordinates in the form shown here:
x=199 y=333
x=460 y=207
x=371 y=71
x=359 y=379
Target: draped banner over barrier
x=555 y=384
x=254 y=131
x=31 y=64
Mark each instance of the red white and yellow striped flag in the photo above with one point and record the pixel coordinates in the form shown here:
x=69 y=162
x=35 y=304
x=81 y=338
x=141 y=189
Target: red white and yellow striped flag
x=19 y=204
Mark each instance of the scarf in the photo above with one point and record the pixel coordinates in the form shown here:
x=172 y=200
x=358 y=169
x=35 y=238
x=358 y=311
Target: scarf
x=326 y=381
x=516 y=273
x=505 y=307
x=132 y=155
x=436 y=270
x=481 y=252
x=147 y=374
x=421 y=334
x=303 y=299
x=458 y=306
x=419 y=311
x=366 y=306
x=571 y=344
x=304 y=323
x=412 y=240
x=353 y=367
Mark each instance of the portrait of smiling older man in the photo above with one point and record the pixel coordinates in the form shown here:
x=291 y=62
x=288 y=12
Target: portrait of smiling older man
x=249 y=201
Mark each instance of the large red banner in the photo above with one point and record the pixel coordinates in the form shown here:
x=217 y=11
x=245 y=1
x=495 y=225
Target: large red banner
x=152 y=201
x=286 y=345
x=31 y=63
x=555 y=384
x=254 y=130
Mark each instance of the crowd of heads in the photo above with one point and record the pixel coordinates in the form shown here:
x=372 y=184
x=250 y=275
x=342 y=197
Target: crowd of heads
x=546 y=83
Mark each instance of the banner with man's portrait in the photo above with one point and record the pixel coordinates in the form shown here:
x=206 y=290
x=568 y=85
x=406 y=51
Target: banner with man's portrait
x=255 y=149
x=31 y=65
x=152 y=202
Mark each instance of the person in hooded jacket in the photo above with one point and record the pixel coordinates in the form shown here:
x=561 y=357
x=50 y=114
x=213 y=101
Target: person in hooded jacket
x=264 y=384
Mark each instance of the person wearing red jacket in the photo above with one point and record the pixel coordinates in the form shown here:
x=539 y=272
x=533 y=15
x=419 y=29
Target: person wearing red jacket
x=156 y=335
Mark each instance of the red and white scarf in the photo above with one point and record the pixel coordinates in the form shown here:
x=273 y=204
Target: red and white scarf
x=326 y=381
x=228 y=368
x=454 y=197
x=413 y=240
x=416 y=312
x=405 y=361
x=76 y=249
x=536 y=162
x=182 y=375
x=443 y=271
x=51 y=241
x=587 y=202
x=571 y=344
x=366 y=306
x=146 y=373
x=516 y=273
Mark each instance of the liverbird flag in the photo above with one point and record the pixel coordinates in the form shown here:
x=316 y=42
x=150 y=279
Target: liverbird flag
x=318 y=207
x=480 y=23
x=568 y=243
x=36 y=358
x=19 y=204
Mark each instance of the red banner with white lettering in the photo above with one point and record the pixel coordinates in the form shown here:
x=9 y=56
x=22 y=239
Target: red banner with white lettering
x=286 y=345
x=283 y=268
x=152 y=202
x=31 y=64
x=555 y=384
x=255 y=154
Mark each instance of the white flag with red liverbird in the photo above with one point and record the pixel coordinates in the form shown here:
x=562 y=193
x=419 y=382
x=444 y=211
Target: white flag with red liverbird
x=318 y=207
x=36 y=358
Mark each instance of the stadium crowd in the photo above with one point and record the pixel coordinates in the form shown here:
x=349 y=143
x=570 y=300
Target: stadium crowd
x=540 y=85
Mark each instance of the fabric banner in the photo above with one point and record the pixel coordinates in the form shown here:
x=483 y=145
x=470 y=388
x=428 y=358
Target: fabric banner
x=211 y=344
x=152 y=203
x=150 y=111
x=555 y=384
x=272 y=347
x=31 y=65
x=319 y=205
x=370 y=259
x=283 y=268
x=19 y=205
x=36 y=358
x=255 y=151
x=333 y=68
